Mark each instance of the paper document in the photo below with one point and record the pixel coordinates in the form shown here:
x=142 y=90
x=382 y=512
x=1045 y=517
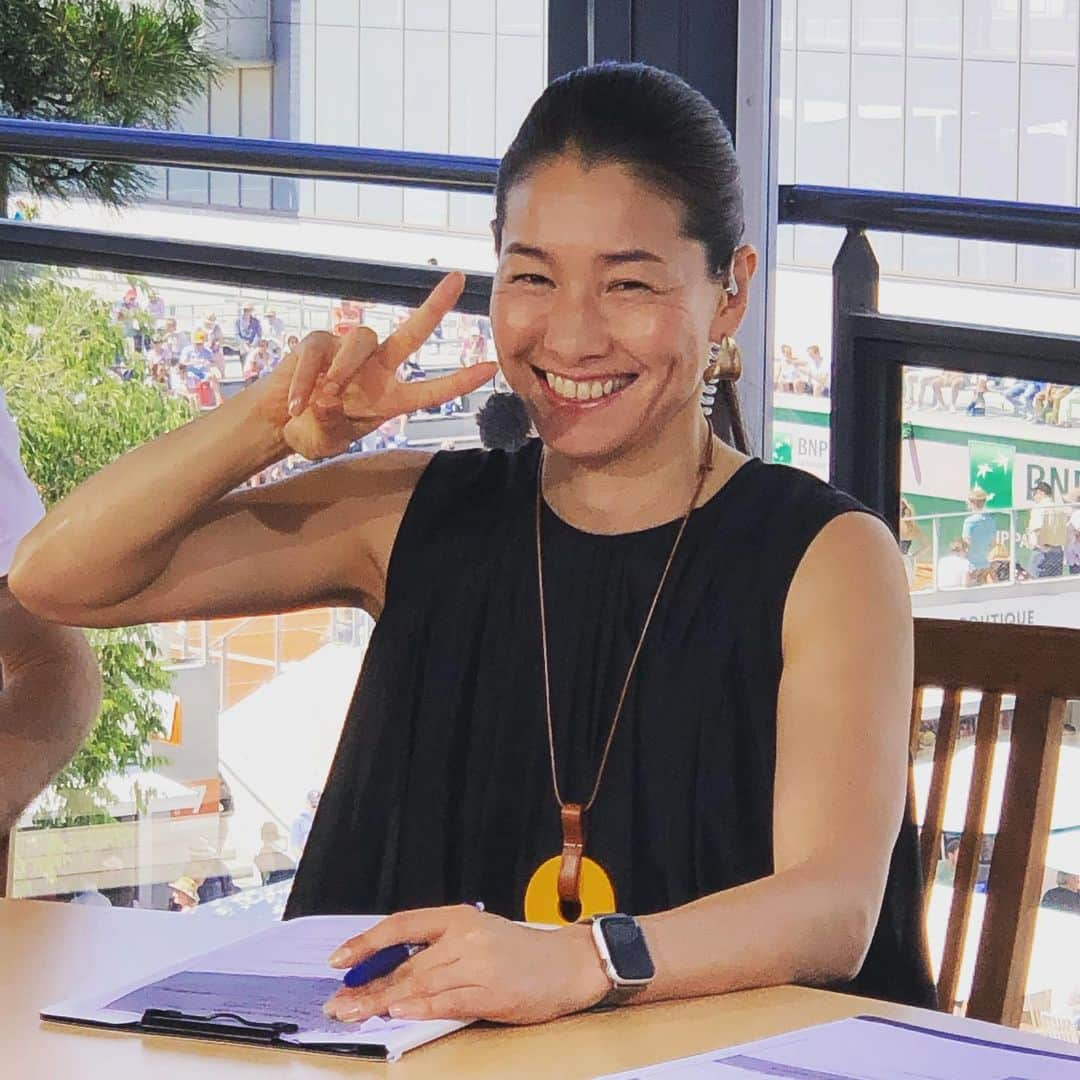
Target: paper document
x=278 y=975
x=868 y=1048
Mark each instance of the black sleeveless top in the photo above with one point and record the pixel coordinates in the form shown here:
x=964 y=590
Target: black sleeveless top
x=440 y=791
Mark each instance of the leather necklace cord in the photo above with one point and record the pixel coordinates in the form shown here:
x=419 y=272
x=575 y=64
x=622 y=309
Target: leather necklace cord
x=704 y=468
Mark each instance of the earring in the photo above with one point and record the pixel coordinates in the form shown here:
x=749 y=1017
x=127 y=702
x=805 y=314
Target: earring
x=725 y=361
x=725 y=364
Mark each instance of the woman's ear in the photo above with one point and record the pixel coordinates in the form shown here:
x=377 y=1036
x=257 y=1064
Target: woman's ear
x=731 y=309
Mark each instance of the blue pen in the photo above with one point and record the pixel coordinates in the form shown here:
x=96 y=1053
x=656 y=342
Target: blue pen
x=384 y=961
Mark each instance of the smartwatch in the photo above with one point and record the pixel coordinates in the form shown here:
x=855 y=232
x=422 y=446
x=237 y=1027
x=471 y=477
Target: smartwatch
x=625 y=956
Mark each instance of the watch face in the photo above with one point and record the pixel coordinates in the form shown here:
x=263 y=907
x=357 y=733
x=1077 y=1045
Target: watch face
x=627 y=948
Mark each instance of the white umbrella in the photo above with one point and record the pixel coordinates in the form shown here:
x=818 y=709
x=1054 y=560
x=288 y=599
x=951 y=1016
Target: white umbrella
x=121 y=794
x=1066 y=809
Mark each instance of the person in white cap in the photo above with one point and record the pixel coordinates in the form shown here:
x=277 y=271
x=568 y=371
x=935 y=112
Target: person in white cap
x=49 y=682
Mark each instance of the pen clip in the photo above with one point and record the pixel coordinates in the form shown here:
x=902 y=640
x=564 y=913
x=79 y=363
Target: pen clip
x=220 y=1025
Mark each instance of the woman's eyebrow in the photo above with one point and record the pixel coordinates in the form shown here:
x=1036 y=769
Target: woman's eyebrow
x=632 y=255
x=609 y=258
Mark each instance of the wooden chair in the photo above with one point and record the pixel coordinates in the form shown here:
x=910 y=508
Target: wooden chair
x=1041 y=667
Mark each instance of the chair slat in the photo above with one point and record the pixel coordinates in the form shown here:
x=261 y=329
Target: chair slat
x=916 y=720
x=1016 y=869
x=986 y=733
x=944 y=744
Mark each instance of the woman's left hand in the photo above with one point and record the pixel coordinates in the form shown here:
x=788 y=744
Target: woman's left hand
x=476 y=967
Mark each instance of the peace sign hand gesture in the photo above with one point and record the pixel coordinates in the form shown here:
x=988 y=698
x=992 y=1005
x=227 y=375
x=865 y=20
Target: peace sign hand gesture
x=344 y=388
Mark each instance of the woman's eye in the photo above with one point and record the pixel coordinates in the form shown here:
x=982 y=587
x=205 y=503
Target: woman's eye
x=629 y=286
x=531 y=279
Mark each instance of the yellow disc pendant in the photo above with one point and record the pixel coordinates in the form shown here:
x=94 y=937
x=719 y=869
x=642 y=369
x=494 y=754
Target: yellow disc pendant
x=542 y=894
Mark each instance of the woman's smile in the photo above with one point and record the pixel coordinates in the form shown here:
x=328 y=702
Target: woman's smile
x=582 y=392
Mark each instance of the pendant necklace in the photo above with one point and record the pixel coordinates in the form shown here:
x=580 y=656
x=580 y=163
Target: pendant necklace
x=570 y=886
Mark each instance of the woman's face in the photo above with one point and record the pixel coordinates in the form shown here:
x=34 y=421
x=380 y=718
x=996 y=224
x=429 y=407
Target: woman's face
x=601 y=309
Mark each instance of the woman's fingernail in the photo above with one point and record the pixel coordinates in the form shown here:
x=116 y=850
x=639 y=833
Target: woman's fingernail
x=339 y=958
x=397 y=1011
x=294 y=407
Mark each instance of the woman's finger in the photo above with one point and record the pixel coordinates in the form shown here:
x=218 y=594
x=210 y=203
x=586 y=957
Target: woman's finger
x=420 y=926
x=316 y=353
x=380 y=1000
x=420 y=325
x=457 y=1003
x=358 y=344
x=426 y=393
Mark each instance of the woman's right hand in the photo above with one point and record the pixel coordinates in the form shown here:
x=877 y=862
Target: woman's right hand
x=333 y=391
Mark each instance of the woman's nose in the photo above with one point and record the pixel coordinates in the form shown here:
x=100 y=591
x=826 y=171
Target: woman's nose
x=576 y=327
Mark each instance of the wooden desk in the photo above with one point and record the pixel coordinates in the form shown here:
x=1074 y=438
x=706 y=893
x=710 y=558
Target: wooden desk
x=48 y=951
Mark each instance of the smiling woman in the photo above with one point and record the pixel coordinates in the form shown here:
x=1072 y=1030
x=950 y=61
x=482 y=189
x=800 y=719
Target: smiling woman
x=625 y=668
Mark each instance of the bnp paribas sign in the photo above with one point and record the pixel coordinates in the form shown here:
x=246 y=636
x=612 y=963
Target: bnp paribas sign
x=1008 y=477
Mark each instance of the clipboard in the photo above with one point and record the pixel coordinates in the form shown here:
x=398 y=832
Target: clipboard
x=265 y=989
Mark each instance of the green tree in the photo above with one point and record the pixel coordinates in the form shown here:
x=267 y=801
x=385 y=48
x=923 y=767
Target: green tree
x=115 y=62
x=79 y=404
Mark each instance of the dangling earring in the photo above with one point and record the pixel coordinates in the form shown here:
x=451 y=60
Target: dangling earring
x=725 y=365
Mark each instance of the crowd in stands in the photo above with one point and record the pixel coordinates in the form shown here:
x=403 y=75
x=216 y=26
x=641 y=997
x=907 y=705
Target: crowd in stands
x=980 y=555
x=191 y=361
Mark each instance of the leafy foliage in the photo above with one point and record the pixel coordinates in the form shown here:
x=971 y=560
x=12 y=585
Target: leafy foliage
x=127 y=63
x=78 y=410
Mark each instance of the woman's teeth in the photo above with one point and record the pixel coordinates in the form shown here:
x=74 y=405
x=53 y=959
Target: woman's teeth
x=586 y=391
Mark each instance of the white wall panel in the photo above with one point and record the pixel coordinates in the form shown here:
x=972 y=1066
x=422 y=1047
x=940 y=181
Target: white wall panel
x=991 y=29
x=255 y=123
x=1049 y=31
x=472 y=16
x=338 y=12
x=520 y=16
x=472 y=94
x=878 y=26
x=825 y=24
x=225 y=120
x=384 y=13
x=337 y=93
x=935 y=28
x=427 y=115
x=427 y=14
x=381 y=115
x=519 y=79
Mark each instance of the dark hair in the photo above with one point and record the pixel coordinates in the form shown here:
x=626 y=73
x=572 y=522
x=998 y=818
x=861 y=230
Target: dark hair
x=667 y=134
x=1044 y=487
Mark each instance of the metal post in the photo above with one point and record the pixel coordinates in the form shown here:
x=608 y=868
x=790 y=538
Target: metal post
x=867 y=400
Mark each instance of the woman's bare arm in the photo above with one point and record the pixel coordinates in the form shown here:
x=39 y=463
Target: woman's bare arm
x=49 y=695
x=162 y=534
x=841 y=761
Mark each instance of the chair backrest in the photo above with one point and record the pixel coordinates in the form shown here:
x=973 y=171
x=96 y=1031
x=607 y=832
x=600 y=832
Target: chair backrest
x=1041 y=667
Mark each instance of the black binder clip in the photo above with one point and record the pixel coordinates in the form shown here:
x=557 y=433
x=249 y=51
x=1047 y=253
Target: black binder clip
x=220 y=1025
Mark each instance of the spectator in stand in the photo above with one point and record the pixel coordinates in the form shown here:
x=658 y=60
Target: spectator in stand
x=980 y=532
x=1072 y=533
x=158 y=353
x=155 y=306
x=1020 y=396
x=910 y=535
x=177 y=340
x=184 y=894
x=473 y=349
x=1046 y=533
x=952 y=569
x=257 y=363
x=817 y=372
x=790 y=372
x=301 y=825
x=1066 y=897
x=946 y=868
x=348 y=314
x=292 y=342
x=198 y=352
x=272 y=862
x=248 y=328
x=916 y=382
x=214 y=334
x=274 y=325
